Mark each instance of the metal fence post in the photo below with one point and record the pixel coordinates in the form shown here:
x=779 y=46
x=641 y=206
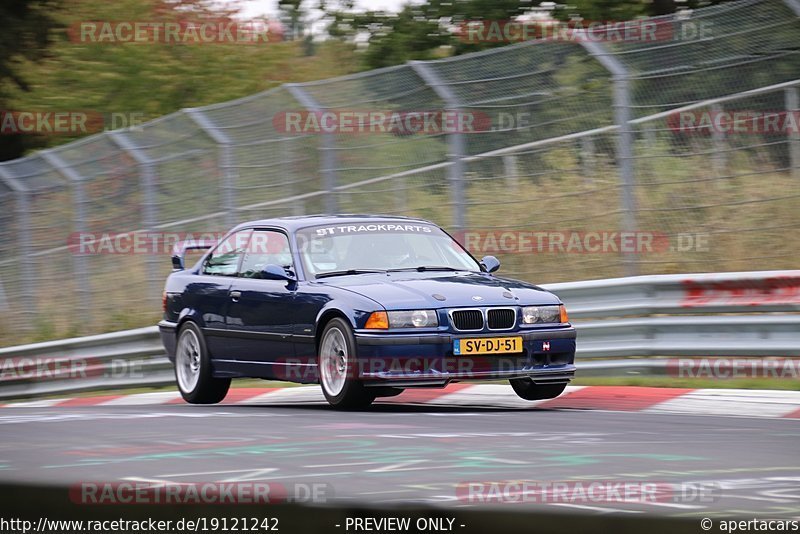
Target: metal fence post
x=793 y=106
x=228 y=174
x=326 y=147
x=511 y=171
x=80 y=266
x=587 y=159
x=625 y=139
x=794 y=5
x=147 y=178
x=455 y=140
x=287 y=159
x=719 y=159
x=27 y=270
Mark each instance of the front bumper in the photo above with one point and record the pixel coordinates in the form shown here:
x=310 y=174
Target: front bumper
x=408 y=360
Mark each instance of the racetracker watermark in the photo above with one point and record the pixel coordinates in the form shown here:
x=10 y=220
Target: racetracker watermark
x=728 y=368
x=578 y=242
x=64 y=368
x=194 y=493
x=582 y=30
x=465 y=366
x=159 y=243
x=156 y=243
x=397 y=122
x=587 y=492
x=175 y=33
x=77 y=122
x=735 y=122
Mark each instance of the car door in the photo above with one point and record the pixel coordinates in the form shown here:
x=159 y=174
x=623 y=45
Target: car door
x=209 y=295
x=260 y=313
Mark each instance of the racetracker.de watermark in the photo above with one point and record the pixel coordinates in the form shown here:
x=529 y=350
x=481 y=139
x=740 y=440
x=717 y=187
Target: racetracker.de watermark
x=186 y=32
x=75 y=122
x=465 y=366
x=587 y=492
x=727 y=368
x=157 y=243
x=735 y=122
x=67 y=368
x=489 y=241
x=198 y=493
x=582 y=30
x=398 y=122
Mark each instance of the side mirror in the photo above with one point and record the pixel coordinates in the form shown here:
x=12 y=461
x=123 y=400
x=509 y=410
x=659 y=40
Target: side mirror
x=177 y=262
x=490 y=264
x=276 y=272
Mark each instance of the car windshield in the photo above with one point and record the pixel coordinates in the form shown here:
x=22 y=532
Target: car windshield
x=376 y=247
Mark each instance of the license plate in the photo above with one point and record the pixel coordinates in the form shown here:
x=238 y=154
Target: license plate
x=487 y=345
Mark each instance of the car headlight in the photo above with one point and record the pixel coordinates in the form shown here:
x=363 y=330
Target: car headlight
x=544 y=314
x=413 y=319
x=403 y=319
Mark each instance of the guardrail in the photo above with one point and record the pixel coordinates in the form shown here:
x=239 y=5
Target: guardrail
x=682 y=294
x=620 y=321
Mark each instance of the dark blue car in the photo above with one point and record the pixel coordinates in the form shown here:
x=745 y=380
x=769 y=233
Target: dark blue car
x=366 y=306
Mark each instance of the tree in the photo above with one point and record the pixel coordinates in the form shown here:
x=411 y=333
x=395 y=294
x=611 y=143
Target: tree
x=149 y=80
x=419 y=31
x=292 y=15
x=25 y=27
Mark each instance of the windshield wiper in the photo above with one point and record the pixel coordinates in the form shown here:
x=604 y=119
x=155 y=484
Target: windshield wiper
x=423 y=268
x=349 y=271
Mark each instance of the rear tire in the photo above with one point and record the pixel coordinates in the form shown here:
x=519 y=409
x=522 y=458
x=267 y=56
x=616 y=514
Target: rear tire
x=193 y=368
x=338 y=370
x=526 y=389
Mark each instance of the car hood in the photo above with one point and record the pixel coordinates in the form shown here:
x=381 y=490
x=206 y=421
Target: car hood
x=403 y=291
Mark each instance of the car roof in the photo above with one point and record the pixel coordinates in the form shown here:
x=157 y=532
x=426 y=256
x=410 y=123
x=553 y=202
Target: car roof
x=294 y=223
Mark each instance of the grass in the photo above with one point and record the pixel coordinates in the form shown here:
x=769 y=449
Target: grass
x=693 y=383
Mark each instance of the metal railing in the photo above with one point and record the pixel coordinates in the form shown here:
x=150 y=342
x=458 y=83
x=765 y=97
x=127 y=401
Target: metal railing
x=590 y=148
x=619 y=321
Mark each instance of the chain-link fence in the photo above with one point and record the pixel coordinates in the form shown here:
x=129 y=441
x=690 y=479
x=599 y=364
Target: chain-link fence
x=591 y=158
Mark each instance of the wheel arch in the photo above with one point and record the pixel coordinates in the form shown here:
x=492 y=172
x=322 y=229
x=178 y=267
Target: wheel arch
x=185 y=316
x=323 y=320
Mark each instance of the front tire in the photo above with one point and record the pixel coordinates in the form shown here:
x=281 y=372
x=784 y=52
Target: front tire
x=193 y=368
x=526 y=389
x=338 y=369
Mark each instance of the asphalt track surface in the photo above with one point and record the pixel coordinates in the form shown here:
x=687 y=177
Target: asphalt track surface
x=404 y=453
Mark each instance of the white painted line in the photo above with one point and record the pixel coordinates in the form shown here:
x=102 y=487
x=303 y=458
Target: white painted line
x=261 y=470
x=597 y=508
x=45 y=403
x=142 y=399
x=739 y=402
x=301 y=394
x=322 y=466
x=492 y=395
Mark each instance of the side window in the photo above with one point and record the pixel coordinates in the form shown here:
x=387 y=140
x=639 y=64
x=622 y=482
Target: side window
x=266 y=247
x=224 y=260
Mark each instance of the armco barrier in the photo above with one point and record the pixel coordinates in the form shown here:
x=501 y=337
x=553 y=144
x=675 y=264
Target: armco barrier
x=620 y=321
x=682 y=294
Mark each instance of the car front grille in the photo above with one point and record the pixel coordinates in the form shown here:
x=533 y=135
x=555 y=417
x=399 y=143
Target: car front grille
x=467 y=319
x=501 y=319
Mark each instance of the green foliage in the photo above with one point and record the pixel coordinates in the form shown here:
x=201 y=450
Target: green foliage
x=24 y=37
x=152 y=80
x=432 y=29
